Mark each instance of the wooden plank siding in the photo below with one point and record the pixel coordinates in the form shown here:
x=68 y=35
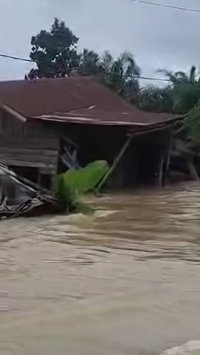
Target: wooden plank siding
x=31 y=144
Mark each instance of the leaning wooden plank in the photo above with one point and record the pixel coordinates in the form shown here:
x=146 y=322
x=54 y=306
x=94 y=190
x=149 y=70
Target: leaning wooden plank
x=115 y=163
x=4 y=170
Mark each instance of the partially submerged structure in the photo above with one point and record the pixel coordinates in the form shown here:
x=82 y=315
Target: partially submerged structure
x=50 y=125
x=18 y=196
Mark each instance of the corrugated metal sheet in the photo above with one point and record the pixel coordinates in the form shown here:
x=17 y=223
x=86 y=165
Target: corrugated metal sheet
x=74 y=99
x=107 y=118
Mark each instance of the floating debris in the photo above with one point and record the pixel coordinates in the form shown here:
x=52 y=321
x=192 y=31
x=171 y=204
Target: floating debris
x=21 y=197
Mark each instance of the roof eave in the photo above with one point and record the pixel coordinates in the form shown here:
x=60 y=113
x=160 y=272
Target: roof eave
x=13 y=112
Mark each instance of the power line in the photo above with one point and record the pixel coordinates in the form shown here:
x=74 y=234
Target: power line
x=173 y=7
x=16 y=58
x=152 y=78
x=31 y=61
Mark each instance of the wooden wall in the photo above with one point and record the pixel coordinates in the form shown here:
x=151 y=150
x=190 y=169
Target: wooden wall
x=31 y=144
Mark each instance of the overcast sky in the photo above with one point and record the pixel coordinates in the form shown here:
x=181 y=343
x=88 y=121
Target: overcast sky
x=158 y=37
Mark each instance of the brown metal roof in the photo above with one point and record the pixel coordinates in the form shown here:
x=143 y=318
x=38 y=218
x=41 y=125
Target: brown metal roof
x=95 y=116
x=74 y=99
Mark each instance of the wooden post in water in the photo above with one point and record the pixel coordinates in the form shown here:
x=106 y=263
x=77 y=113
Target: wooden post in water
x=160 y=170
x=115 y=163
x=192 y=170
x=168 y=157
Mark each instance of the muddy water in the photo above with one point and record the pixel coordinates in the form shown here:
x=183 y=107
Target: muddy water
x=124 y=281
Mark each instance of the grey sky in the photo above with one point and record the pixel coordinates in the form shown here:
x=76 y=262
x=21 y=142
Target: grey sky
x=157 y=37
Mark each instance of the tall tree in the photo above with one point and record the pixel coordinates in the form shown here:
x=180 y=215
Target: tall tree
x=120 y=75
x=185 y=89
x=89 y=63
x=180 y=77
x=179 y=96
x=54 y=52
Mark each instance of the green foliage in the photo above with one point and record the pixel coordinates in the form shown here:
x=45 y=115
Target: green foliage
x=156 y=99
x=191 y=129
x=180 y=77
x=120 y=75
x=75 y=182
x=181 y=96
x=54 y=52
x=62 y=191
x=185 y=96
x=184 y=88
x=89 y=63
x=55 y=55
x=85 y=179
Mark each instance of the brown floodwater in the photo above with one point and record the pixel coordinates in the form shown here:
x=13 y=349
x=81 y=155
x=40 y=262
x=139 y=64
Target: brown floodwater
x=123 y=281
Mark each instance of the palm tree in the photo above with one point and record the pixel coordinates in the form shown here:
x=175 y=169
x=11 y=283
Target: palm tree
x=185 y=89
x=89 y=63
x=180 y=77
x=120 y=74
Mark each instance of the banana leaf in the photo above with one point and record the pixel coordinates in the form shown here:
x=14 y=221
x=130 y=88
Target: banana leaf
x=69 y=185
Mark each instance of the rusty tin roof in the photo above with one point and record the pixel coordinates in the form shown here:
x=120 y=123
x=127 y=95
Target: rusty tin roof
x=74 y=100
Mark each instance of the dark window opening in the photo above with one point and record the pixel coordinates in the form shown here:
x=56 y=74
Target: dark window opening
x=27 y=172
x=45 y=181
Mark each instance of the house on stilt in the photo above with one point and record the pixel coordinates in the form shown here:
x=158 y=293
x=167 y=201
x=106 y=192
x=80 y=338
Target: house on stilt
x=49 y=125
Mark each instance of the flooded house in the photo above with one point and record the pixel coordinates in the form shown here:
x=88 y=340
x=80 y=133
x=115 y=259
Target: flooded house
x=50 y=125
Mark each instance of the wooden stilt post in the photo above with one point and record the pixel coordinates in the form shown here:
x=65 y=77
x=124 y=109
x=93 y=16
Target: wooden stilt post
x=160 y=170
x=115 y=163
x=168 y=157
